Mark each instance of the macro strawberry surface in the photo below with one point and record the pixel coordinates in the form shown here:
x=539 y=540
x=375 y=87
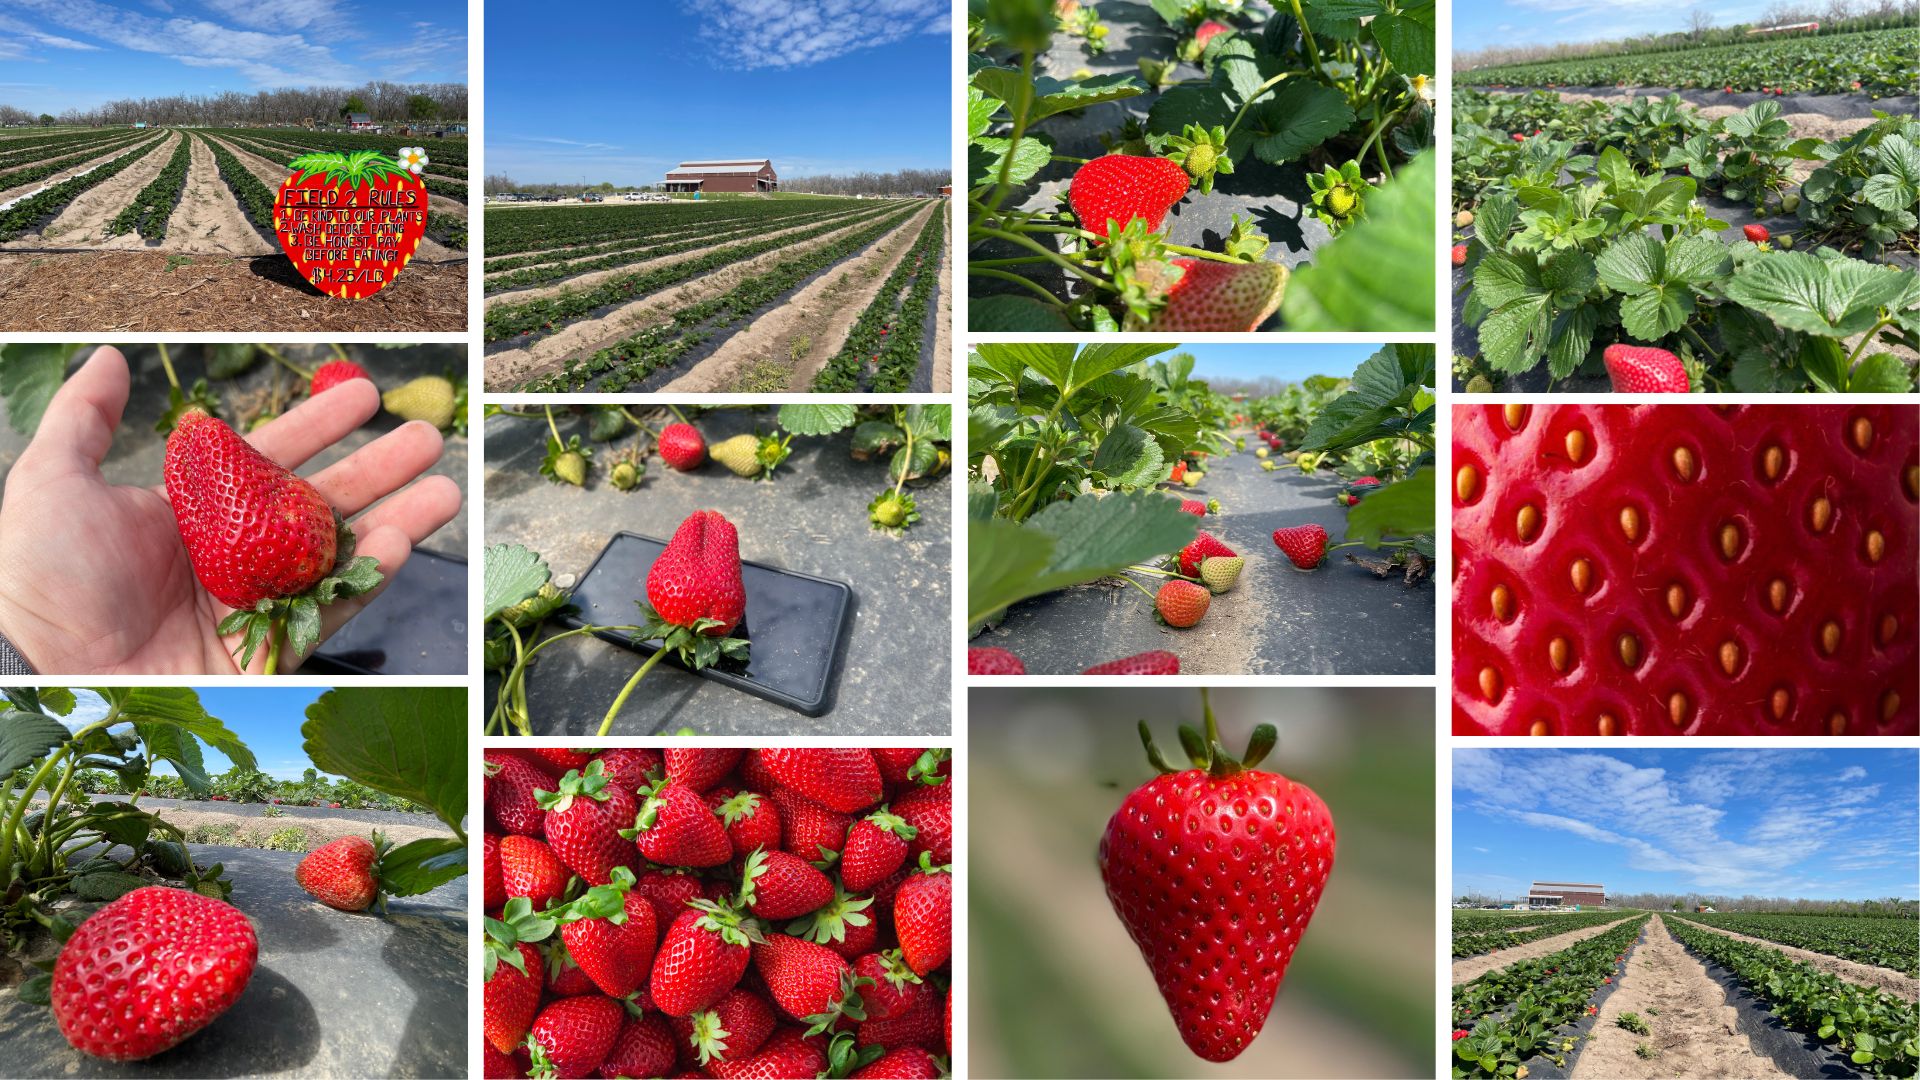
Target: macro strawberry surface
x=1686 y=569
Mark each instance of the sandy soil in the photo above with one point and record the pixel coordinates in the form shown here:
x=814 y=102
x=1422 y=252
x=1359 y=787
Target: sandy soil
x=1693 y=1026
x=84 y=221
x=821 y=315
x=512 y=366
x=567 y=257
x=1893 y=982
x=678 y=232
x=274 y=175
x=1803 y=124
x=319 y=830
x=15 y=191
x=593 y=278
x=943 y=319
x=209 y=219
x=1469 y=968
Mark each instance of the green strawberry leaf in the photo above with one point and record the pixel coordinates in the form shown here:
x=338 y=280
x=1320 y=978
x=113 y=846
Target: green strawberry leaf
x=394 y=739
x=810 y=419
x=510 y=573
x=1378 y=274
x=26 y=737
x=29 y=374
x=422 y=865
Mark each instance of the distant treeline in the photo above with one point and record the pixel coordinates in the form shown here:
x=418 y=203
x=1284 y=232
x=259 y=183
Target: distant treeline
x=1889 y=908
x=904 y=182
x=385 y=102
x=1836 y=17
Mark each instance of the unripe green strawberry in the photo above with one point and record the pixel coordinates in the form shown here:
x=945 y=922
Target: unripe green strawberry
x=1262 y=453
x=1219 y=573
x=541 y=604
x=1181 y=603
x=741 y=454
x=429 y=398
x=1341 y=201
x=1213 y=506
x=889 y=510
x=1268 y=466
x=1479 y=384
x=571 y=467
x=1463 y=219
x=627 y=471
x=1192 y=479
x=1200 y=160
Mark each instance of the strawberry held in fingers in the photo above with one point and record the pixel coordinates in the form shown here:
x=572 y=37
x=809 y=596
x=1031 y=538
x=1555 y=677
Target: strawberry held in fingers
x=350 y=222
x=1118 y=188
x=1217 y=953
x=1641 y=369
x=1686 y=569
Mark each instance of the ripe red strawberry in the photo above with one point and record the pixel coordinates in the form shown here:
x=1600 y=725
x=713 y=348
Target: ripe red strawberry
x=807 y=981
x=750 y=820
x=921 y=1025
x=564 y=976
x=846 y=924
x=734 y=1029
x=493 y=892
x=1367 y=481
x=896 y=988
x=1640 y=369
x=923 y=917
x=510 y=996
x=610 y=933
x=1517 y=137
x=1218 y=954
x=840 y=778
x=529 y=868
x=696 y=578
x=700 y=769
x=1194 y=506
x=573 y=1036
x=644 y=1047
x=681 y=447
x=1182 y=603
x=495 y=1065
x=512 y=798
x=992 y=660
x=912 y=766
x=703 y=956
x=1207 y=31
x=149 y=970
x=1204 y=546
x=1178 y=473
x=1118 y=188
x=675 y=828
x=1157 y=662
x=1209 y=296
x=1304 y=545
x=559 y=760
x=876 y=847
x=1756 y=233
x=809 y=829
x=930 y=811
x=345 y=873
x=1459 y=254
x=786 y=1053
x=901 y=1063
x=584 y=819
x=333 y=373
x=1687 y=569
x=776 y=885
x=669 y=891
x=633 y=767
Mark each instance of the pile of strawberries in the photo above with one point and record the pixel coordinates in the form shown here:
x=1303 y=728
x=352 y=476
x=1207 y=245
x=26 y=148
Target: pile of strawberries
x=718 y=912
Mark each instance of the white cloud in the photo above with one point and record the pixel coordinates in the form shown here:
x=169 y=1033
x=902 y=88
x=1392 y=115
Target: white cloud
x=798 y=33
x=268 y=59
x=276 y=14
x=1851 y=772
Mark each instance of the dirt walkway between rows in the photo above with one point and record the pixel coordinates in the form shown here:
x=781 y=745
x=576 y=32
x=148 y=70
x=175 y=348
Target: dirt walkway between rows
x=1693 y=1027
x=1902 y=986
x=1804 y=124
x=14 y=190
x=568 y=251
x=209 y=219
x=256 y=827
x=1468 y=968
x=510 y=367
x=943 y=319
x=592 y=278
x=274 y=175
x=83 y=222
x=783 y=349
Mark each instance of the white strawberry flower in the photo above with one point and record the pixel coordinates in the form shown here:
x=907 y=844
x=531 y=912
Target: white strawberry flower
x=413 y=158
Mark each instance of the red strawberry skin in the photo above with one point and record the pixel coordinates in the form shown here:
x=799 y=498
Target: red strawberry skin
x=697 y=576
x=1120 y=187
x=930 y=811
x=803 y=978
x=577 y=1033
x=902 y=1063
x=493 y=891
x=1218 y=954
x=1204 y=546
x=1157 y=662
x=1193 y=506
x=993 y=660
x=585 y=833
x=787 y=1053
x=1756 y=233
x=700 y=768
x=340 y=874
x=253 y=530
x=875 y=849
x=923 y=920
x=511 y=785
x=1213 y=297
x=676 y=828
x=1303 y=545
x=511 y=999
x=616 y=956
x=644 y=1047
x=333 y=373
x=681 y=447
x=1686 y=569
x=696 y=966
x=1637 y=369
x=1459 y=254
x=149 y=970
x=844 y=779
x=528 y=868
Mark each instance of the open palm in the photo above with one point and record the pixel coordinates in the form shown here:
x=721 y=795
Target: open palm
x=93 y=576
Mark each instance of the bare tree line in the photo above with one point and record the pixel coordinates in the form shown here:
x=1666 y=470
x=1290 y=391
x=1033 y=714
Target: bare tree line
x=1835 y=17
x=904 y=182
x=385 y=102
x=1887 y=908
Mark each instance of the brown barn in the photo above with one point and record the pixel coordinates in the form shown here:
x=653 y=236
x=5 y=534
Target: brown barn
x=1550 y=894
x=732 y=176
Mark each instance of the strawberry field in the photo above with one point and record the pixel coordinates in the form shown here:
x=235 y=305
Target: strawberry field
x=1130 y=519
x=789 y=293
x=173 y=230
x=1879 y=63
x=1653 y=245
x=1200 y=166
x=790 y=567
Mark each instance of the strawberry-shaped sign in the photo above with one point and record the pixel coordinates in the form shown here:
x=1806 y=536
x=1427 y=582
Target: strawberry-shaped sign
x=350 y=222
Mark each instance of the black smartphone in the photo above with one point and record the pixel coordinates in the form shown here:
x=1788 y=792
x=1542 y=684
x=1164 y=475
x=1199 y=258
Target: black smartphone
x=796 y=623
x=418 y=626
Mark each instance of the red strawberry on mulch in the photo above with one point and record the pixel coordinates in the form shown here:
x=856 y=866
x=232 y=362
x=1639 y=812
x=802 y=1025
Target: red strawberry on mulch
x=695 y=583
x=1118 y=188
x=1686 y=569
x=345 y=873
x=1204 y=546
x=314 y=218
x=681 y=447
x=993 y=660
x=1156 y=662
x=1303 y=545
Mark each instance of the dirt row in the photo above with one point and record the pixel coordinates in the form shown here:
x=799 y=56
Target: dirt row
x=1899 y=984
x=19 y=191
x=1804 y=124
x=1468 y=968
x=506 y=368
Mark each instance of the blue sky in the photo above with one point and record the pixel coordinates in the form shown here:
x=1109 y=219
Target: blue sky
x=1481 y=24
x=1290 y=361
x=267 y=719
x=60 y=54
x=1813 y=824
x=818 y=86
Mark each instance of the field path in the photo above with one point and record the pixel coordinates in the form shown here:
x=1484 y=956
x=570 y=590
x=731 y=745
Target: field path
x=84 y=221
x=1469 y=968
x=209 y=220
x=822 y=314
x=9 y=191
x=1693 y=1028
x=1900 y=985
x=274 y=175
x=570 y=252
x=943 y=318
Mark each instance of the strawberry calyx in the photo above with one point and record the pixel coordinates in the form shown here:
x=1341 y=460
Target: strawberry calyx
x=294 y=621
x=518 y=923
x=926 y=768
x=709 y=1038
x=829 y=924
x=695 y=648
x=895 y=969
x=846 y=1006
x=727 y=922
x=352 y=170
x=591 y=784
x=1206 y=751
x=607 y=901
x=888 y=821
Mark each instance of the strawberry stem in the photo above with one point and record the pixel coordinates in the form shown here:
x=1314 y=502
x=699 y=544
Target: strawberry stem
x=606 y=725
x=1142 y=588
x=550 y=425
x=286 y=363
x=166 y=364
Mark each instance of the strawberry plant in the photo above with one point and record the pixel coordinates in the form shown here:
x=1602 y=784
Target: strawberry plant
x=883 y=347
x=1879 y=63
x=22 y=214
x=1507 y=1017
x=1344 y=94
x=147 y=214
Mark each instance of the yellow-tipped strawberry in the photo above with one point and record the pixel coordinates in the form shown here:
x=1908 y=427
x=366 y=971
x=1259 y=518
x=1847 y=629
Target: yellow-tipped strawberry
x=741 y=454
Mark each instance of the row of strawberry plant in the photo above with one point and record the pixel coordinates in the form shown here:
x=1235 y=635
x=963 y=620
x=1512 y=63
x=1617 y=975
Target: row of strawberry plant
x=281 y=155
x=28 y=174
x=20 y=152
x=848 y=368
x=446 y=151
x=513 y=230
x=1880 y=62
x=554 y=271
x=510 y=320
x=1887 y=943
x=713 y=226
x=901 y=359
x=19 y=217
x=621 y=365
x=435 y=166
x=149 y=210
x=1504 y=1018
x=1879 y=1032
x=1473 y=943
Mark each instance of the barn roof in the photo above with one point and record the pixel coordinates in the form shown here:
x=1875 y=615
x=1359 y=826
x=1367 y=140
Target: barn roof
x=694 y=168
x=726 y=161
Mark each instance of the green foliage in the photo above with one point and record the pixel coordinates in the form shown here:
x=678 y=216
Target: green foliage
x=1516 y=1013
x=1883 y=62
